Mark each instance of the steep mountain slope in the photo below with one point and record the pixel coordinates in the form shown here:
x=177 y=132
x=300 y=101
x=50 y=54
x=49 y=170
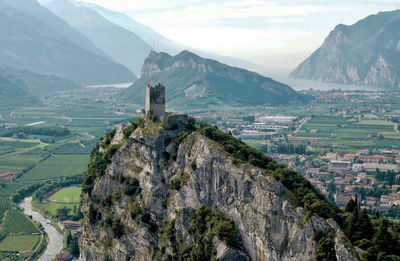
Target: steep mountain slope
x=31 y=41
x=11 y=94
x=193 y=80
x=367 y=52
x=151 y=37
x=122 y=45
x=176 y=191
x=34 y=9
x=37 y=84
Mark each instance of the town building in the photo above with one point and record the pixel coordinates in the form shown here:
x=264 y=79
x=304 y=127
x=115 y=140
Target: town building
x=341 y=199
x=371 y=201
x=256 y=135
x=68 y=224
x=362 y=178
x=339 y=165
x=8 y=175
x=372 y=167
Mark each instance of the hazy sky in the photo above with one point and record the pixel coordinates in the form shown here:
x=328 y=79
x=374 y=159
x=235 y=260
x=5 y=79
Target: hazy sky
x=271 y=33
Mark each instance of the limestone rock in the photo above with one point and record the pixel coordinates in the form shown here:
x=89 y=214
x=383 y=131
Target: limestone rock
x=366 y=52
x=270 y=227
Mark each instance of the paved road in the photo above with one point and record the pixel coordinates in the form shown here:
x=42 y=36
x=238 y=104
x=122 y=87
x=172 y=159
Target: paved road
x=302 y=122
x=55 y=243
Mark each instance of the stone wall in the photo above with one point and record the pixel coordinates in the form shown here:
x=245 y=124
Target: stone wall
x=155 y=100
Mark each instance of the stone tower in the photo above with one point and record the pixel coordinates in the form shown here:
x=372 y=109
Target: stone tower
x=155 y=100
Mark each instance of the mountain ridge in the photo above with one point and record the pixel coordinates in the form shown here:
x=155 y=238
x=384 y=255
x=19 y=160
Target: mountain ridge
x=13 y=95
x=192 y=79
x=367 y=52
x=37 y=84
x=29 y=43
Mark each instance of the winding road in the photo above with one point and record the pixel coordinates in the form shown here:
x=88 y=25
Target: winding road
x=55 y=243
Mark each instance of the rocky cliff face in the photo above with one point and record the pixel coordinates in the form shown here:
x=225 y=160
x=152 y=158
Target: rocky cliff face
x=364 y=53
x=167 y=192
x=191 y=79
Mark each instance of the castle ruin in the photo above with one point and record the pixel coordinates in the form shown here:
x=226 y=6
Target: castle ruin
x=155 y=100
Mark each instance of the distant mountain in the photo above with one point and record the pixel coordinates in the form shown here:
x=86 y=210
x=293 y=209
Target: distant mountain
x=367 y=52
x=31 y=38
x=37 y=84
x=195 y=81
x=122 y=45
x=150 y=36
x=58 y=25
x=11 y=94
x=162 y=44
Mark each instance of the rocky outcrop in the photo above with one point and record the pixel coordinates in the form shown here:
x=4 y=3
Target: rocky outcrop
x=364 y=53
x=182 y=175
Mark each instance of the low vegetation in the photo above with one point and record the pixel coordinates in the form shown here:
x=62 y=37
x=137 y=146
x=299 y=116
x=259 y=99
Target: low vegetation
x=180 y=181
x=98 y=162
x=137 y=122
x=325 y=248
x=203 y=224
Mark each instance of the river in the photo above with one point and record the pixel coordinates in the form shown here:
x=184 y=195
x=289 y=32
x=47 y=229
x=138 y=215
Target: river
x=55 y=243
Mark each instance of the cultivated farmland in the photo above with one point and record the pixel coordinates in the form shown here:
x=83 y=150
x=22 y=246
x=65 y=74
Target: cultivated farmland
x=16 y=222
x=58 y=166
x=19 y=242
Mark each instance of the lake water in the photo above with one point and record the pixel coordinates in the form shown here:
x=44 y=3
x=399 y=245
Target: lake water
x=302 y=84
x=123 y=85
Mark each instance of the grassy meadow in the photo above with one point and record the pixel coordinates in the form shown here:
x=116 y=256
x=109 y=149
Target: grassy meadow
x=67 y=195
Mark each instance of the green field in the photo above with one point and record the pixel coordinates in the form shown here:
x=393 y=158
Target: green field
x=16 y=163
x=350 y=132
x=4 y=203
x=12 y=187
x=16 y=222
x=50 y=208
x=19 y=243
x=68 y=195
x=8 y=146
x=258 y=144
x=58 y=166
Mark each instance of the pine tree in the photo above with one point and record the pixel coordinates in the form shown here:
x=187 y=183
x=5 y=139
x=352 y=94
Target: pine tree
x=351 y=205
x=68 y=239
x=352 y=225
x=383 y=238
x=365 y=226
